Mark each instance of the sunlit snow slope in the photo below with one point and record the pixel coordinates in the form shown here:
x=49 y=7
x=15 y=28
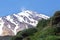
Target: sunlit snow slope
x=11 y=24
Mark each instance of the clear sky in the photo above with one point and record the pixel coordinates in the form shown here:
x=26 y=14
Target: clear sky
x=47 y=7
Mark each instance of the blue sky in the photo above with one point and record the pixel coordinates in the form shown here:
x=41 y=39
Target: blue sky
x=47 y=7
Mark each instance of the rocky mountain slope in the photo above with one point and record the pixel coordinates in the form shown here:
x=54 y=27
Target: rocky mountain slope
x=11 y=24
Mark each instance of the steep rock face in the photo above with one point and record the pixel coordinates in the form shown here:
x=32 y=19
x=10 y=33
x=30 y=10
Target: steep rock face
x=11 y=24
x=7 y=31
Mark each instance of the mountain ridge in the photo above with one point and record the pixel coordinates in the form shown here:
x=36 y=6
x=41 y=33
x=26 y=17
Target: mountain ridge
x=11 y=24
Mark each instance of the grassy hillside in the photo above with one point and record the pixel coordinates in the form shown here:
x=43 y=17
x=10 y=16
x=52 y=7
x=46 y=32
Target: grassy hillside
x=45 y=30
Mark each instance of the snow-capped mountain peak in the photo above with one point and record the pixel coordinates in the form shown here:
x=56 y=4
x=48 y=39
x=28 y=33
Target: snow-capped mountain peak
x=11 y=24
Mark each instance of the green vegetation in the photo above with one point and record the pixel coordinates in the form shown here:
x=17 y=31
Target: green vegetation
x=45 y=30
